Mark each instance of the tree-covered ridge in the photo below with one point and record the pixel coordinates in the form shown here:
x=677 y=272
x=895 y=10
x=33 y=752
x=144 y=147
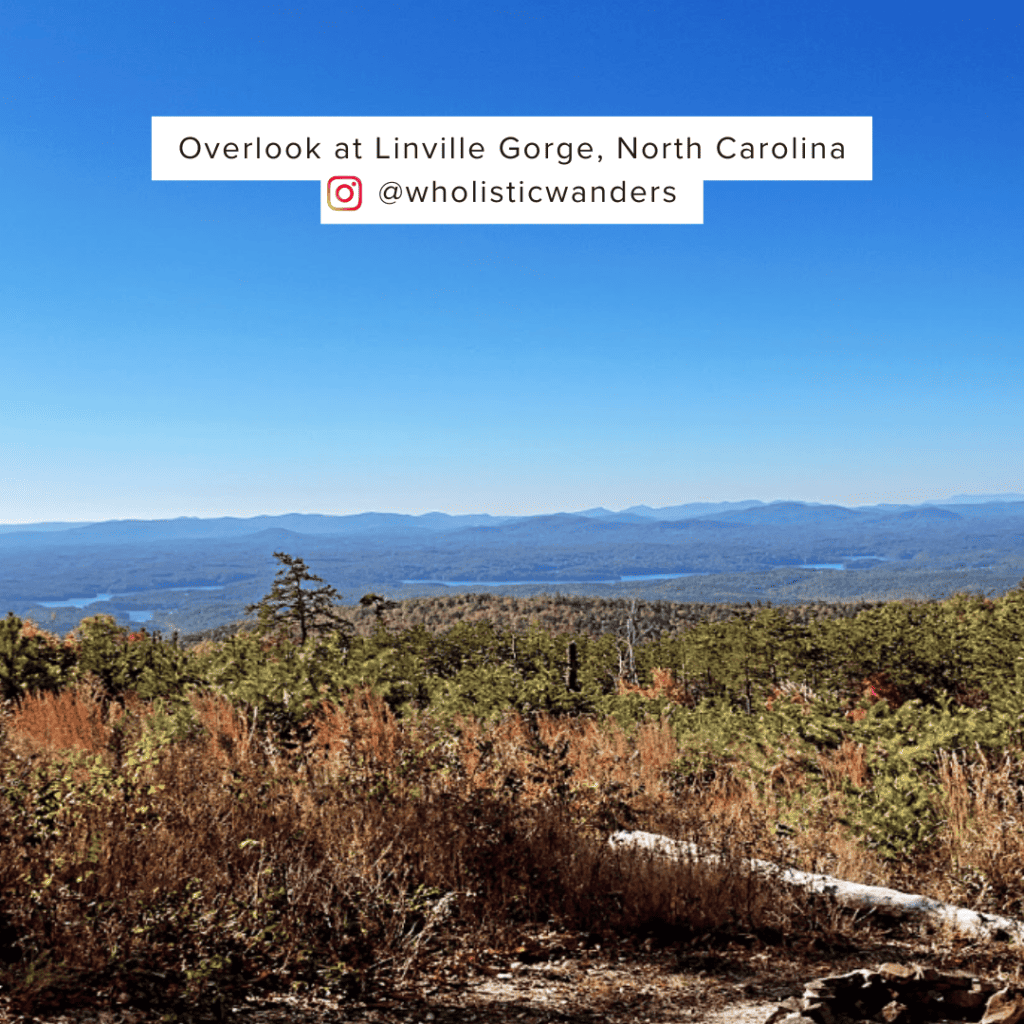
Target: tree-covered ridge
x=191 y=575
x=964 y=649
x=577 y=613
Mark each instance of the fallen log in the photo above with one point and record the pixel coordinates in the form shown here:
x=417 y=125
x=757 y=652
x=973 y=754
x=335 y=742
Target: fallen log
x=890 y=902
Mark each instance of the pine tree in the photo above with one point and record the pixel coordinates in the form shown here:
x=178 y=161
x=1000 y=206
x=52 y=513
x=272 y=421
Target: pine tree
x=290 y=604
x=380 y=606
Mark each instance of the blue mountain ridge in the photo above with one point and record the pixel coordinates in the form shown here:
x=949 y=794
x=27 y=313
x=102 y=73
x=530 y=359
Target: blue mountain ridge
x=599 y=521
x=785 y=550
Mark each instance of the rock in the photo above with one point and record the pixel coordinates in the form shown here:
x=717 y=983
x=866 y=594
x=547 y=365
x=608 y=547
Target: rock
x=902 y=994
x=956 y=979
x=969 y=999
x=819 y=1011
x=894 y=1013
x=896 y=972
x=1005 y=1007
x=822 y=988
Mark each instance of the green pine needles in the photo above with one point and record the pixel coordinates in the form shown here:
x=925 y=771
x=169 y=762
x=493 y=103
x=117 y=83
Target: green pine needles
x=291 y=606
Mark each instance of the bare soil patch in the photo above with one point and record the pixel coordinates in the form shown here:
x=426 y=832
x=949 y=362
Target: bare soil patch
x=618 y=984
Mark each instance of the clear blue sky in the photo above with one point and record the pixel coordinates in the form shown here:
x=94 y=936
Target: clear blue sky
x=208 y=348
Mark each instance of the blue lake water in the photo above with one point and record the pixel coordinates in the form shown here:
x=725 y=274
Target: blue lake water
x=554 y=583
x=841 y=565
x=660 y=576
x=75 y=602
x=134 y=616
x=624 y=579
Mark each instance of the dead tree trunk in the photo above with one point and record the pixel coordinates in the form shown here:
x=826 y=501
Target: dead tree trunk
x=889 y=902
x=572 y=668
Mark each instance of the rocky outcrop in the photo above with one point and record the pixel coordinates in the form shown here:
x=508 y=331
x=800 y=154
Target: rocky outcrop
x=902 y=994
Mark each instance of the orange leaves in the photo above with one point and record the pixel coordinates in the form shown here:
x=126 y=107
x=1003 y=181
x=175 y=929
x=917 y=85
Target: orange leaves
x=230 y=738
x=874 y=689
x=72 y=719
x=664 y=683
x=880 y=687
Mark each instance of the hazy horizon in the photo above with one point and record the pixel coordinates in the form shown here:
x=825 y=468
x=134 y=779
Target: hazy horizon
x=954 y=499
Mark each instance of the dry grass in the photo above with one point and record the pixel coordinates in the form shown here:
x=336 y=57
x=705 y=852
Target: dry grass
x=223 y=862
x=71 y=719
x=982 y=845
x=231 y=736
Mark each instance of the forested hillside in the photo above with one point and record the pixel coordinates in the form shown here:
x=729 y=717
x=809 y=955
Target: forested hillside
x=573 y=613
x=434 y=783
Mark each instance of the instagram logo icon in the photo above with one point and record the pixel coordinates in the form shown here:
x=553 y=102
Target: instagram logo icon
x=344 y=193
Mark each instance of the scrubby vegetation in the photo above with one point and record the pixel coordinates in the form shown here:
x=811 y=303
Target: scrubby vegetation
x=572 y=613
x=183 y=824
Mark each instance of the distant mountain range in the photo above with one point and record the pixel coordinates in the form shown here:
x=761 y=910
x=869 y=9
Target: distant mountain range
x=192 y=528
x=690 y=511
x=395 y=523
x=193 y=573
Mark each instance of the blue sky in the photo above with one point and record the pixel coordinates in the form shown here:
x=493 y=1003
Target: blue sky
x=208 y=348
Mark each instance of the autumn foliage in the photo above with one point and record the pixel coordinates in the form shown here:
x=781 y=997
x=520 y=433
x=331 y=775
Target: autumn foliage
x=188 y=824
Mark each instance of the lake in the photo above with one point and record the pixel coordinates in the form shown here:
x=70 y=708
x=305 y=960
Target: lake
x=83 y=602
x=542 y=583
x=841 y=565
x=137 y=615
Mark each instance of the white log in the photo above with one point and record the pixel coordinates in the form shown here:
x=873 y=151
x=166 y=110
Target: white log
x=852 y=894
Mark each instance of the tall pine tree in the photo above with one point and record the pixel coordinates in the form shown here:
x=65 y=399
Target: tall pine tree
x=292 y=605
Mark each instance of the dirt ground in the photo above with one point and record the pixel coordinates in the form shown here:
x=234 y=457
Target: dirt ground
x=737 y=984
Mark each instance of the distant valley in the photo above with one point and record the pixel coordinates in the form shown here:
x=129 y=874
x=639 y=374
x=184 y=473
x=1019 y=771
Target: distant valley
x=191 y=574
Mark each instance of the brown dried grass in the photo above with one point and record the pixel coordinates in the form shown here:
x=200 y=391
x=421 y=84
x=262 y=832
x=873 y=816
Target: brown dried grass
x=74 y=718
x=981 y=848
x=230 y=735
x=507 y=818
